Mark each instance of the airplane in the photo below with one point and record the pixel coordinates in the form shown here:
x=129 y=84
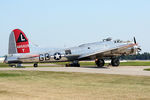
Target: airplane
x=19 y=52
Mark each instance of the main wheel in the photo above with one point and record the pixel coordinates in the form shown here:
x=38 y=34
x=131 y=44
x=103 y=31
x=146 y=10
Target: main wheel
x=12 y=65
x=77 y=65
x=100 y=62
x=73 y=65
x=115 y=62
x=67 y=65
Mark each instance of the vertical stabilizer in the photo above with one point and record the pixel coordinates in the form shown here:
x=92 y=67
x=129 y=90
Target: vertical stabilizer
x=18 y=42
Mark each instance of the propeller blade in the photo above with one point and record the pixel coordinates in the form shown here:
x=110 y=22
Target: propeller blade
x=139 y=49
x=134 y=40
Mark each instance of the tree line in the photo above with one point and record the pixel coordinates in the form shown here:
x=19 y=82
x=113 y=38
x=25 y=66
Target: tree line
x=142 y=56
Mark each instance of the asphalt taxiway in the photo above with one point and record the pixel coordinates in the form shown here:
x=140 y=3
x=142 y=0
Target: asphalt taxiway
x=121 y=70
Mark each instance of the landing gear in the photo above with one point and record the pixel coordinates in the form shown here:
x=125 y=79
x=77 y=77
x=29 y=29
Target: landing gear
x=73 y=64
x=35 y=65
x=12 y=65
x=115 y=62
x=99 y=62
x=19 y=65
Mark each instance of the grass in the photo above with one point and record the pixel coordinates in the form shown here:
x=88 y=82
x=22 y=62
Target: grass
x=35 y=85
x=3 y=65
x=148 y=69
x=9 y=75
x=135 y=63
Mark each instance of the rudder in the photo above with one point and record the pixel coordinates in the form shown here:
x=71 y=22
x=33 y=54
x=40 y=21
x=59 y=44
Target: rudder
x=18 y=42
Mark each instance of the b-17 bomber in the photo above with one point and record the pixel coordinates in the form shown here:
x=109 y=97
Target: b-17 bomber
x=19 y=52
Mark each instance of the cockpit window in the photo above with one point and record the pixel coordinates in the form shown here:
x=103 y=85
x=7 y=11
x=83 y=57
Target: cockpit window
x=118 y=41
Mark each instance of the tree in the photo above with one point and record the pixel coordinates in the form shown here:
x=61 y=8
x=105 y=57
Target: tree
x=143 y=56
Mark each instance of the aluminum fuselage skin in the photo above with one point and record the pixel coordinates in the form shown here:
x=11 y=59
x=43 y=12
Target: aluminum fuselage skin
x=89 y=51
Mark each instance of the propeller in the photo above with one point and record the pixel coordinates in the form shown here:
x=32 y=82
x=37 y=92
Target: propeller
x=139 y=50
x=134 y=40
x=137 y=47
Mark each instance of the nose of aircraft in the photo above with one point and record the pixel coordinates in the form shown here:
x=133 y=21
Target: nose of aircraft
x=137 y=47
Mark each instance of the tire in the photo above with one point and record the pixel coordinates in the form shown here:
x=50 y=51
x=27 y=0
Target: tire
x=67 y=65
x=12 y=65
x=73 y=65
x=100 y=63
x=77 y=65
x=35 y=65
x=115 y=62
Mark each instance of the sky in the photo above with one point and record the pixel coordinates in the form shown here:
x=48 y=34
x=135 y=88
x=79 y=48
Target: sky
x=68 y=23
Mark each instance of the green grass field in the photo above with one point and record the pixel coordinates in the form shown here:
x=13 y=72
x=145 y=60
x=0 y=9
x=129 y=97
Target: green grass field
x=3 y=65
x=147 y=69
x=135 y=63
x=35 y=85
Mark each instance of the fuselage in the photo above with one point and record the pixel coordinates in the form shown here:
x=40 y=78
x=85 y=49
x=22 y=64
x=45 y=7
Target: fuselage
x=74 y=53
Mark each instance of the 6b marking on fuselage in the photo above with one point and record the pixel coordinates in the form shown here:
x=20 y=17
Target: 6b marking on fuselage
x=47 y=56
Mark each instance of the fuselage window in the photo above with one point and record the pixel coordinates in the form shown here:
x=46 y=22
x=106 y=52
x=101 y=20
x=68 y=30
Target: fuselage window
x=67 y=52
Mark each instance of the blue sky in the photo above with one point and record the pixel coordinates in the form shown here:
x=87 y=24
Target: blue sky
x=67 y=23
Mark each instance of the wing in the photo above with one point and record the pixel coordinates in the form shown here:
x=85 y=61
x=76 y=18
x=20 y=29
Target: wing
x=106 y=51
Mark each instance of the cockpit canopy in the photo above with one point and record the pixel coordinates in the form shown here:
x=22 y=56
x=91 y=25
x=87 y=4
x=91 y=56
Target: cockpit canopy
x=107 y=39
x=115 y=41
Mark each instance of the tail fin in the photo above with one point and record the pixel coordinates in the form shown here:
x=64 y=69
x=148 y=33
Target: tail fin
x=18 y=42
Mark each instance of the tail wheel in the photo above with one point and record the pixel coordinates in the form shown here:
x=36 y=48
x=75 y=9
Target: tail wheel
x=35 y=65
x=100 y=62
x=115 y=62
x=12 y=65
